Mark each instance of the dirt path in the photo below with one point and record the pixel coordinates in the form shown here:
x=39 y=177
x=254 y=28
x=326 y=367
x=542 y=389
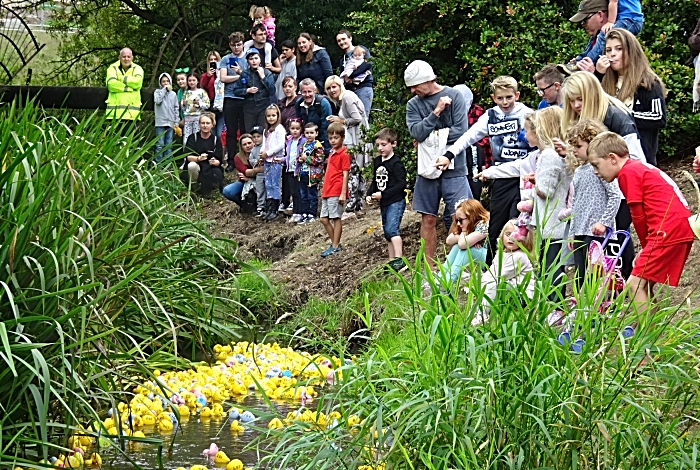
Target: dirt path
x=295 y=250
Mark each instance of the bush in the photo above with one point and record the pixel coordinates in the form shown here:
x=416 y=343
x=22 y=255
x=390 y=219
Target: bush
x=106 y=276
x=473 y=41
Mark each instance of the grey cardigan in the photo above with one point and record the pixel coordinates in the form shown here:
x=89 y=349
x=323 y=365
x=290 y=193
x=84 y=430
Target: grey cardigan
x=353 y=111
x=552 y=179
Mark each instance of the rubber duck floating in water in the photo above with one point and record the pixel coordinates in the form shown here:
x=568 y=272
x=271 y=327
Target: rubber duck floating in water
x=221 y=458
x=234 y=464
x=211 y=451
x=236 y=426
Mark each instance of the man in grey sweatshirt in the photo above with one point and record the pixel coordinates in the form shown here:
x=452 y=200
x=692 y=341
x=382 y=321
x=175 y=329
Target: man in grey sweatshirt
x=436 y=107
x=167 y=111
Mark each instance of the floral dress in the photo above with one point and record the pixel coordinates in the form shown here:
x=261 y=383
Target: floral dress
x=192 y=110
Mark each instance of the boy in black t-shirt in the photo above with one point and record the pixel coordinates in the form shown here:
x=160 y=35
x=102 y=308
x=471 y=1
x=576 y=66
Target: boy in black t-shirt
x=387 y=187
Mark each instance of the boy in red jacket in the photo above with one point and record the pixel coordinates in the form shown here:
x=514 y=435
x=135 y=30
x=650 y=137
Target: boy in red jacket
x=659 y=213
x=335 y=188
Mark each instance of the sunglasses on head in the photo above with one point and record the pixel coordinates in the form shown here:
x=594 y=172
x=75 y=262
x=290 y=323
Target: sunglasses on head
x=183 y=70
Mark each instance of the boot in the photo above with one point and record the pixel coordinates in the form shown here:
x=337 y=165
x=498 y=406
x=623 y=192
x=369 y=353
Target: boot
x=272 y=213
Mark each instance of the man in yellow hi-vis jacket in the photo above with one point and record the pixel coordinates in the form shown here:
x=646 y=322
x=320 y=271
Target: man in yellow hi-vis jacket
x=124 y=82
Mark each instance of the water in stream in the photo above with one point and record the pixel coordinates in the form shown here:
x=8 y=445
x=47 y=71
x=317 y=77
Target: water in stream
x=196 y=434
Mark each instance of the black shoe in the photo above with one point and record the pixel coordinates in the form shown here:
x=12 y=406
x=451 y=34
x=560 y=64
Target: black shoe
x=272 y=213
x=230 y=168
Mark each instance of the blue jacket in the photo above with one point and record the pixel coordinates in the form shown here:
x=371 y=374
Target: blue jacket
x=318 y=113
x=319 y=69
x=250 y=78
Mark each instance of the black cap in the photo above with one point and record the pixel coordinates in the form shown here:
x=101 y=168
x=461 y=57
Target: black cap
x=257 y=130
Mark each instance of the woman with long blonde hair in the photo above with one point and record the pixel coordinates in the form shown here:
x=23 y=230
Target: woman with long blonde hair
x=584 y=98
x=626 y=74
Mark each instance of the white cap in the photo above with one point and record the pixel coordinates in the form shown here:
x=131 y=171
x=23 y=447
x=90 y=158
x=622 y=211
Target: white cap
x=418 y=72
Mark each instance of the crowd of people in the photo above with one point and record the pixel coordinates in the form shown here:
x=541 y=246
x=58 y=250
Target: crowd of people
x=579 y=167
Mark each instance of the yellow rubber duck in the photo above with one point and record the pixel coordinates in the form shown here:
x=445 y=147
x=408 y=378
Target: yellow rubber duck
x=221 y=458
x=275 y=423
x=74 y=461
x=205 y=412
x=94 y=460
x=236 y=426
x=184 y=410
x=139 y=434
x=148 y=419
x=353 y=420
x=234 y=464
x=217 y=410
x=198 y=467
x=165 y=425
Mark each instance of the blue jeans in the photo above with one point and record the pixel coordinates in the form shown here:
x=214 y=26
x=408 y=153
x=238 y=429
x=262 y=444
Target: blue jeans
x=233 y=192
x=165 y=139
x=595 y=51
x=457 y=260
x=309 y=196
x=366 y=95
x=391 y=218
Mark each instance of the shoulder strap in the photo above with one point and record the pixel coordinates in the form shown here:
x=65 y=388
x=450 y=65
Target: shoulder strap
x=492 y=116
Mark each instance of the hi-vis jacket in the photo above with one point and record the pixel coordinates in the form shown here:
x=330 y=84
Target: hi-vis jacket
x=124 y=86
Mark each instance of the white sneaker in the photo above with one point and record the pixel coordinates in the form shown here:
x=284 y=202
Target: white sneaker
x=310 y=219
x=347 y=215
x=294 y=219
x=281 y=208
x=302 y=220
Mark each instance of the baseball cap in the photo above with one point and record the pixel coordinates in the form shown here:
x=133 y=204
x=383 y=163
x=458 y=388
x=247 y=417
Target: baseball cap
x=588 y=7
x=251 y=51
x=257 y=130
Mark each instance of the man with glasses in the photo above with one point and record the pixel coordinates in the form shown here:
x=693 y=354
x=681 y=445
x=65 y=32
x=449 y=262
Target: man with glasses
x=232 y=66
x=598 y=17
x=548 y=82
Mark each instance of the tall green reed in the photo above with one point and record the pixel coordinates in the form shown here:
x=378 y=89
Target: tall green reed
x=507 y=394
x=105 y=276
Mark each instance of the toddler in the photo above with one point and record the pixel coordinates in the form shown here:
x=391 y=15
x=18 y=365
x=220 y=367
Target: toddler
x=290 y=184
x=512 y=267
x=263 y=15
x=595 y=201
x=258 y=167
x=309 y=172
x=358 y=58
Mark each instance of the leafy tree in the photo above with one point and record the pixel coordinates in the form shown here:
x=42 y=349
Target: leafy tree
x=165 y=34
x=473 y=41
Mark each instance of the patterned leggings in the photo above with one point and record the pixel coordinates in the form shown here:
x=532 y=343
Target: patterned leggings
x=356 y=187
x=273 y=180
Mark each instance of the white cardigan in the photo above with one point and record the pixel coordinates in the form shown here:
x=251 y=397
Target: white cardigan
x=274 y=143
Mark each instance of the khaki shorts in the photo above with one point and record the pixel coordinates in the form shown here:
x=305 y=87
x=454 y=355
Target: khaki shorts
x=331 y=209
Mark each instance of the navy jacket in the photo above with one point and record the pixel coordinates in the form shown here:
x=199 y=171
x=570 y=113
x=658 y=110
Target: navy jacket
x=318 y=113
x=319 y=69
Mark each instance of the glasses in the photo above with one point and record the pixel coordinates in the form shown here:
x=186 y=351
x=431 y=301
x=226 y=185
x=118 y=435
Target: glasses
x=183 y=70
x=585 y=20
x=459 y=221
x=540 y=91
x=235 y=44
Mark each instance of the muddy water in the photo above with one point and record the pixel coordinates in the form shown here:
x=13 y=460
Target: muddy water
x=196 y=434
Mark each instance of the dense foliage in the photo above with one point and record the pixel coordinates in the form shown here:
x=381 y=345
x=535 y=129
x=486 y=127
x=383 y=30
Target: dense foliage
x=165 y=34
x=473 y=41
x=106 y=274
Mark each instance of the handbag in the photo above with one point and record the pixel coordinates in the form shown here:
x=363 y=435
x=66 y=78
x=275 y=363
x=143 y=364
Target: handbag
x=694 y=220
x=429 y=150
x=218 y=94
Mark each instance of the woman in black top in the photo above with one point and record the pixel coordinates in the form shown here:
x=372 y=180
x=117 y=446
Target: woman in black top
x=625 y=74
x=203 y=163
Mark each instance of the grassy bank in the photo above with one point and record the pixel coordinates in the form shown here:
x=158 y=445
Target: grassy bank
x=436 y=392
x=107 y=275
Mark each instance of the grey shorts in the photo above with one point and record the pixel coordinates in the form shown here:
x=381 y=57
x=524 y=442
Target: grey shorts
x=427 y=194
x=330 y=208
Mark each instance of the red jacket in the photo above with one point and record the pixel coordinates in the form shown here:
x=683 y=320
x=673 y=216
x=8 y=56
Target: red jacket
x=207 y=83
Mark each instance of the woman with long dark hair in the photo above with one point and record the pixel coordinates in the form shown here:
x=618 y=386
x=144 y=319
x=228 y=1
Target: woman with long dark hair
x=312 y=61
x=626 y=75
